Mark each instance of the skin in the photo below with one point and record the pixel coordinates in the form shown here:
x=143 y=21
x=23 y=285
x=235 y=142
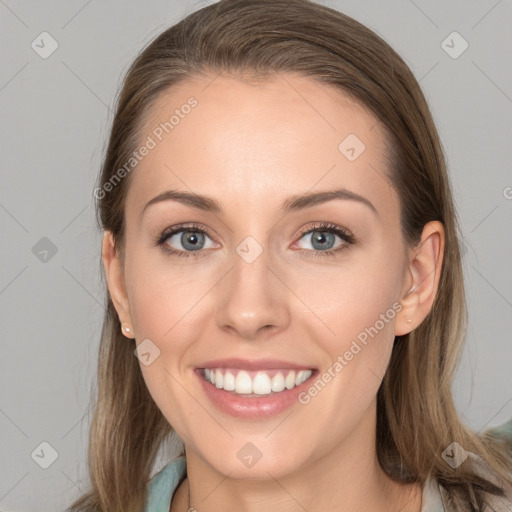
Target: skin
x=250 y=146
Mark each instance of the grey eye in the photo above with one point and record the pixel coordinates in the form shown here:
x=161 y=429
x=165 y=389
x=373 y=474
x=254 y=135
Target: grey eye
x=189 y=239
x=321 y=240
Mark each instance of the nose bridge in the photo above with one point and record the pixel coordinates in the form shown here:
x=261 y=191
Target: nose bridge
x=252 y=298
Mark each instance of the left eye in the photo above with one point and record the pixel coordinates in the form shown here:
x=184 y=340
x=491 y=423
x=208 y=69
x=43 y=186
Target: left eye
x=323 y=239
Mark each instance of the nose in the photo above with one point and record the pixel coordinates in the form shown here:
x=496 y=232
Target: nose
x=253 y=299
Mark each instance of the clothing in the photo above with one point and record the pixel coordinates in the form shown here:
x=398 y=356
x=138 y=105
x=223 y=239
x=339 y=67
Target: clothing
x=435 y=498
x=163 y=485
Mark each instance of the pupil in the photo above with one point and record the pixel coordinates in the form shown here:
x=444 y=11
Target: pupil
x=320 y=238
x=191 y=240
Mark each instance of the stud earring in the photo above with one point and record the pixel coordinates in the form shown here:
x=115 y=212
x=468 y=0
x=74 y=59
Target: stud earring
x=126 y=328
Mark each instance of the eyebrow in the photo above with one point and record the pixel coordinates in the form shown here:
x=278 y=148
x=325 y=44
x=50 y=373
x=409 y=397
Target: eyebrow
x=292 y=203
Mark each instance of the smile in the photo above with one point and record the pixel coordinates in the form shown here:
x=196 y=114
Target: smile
x=255 y=383
x=253 y=389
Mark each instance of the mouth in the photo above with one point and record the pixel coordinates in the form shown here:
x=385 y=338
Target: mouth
x=253 y=390
x=251 y=383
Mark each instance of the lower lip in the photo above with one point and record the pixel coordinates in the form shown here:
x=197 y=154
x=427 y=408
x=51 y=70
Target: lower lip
x=252 y=407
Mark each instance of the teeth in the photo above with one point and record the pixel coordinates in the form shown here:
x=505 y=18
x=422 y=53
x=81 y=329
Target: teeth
x=219 y=379
x=261 y=384
x=289 y=382
x=277 y=383
x=229 y=382
x=243 y=383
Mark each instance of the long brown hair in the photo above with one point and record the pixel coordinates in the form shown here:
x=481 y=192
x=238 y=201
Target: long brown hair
x=416 y=415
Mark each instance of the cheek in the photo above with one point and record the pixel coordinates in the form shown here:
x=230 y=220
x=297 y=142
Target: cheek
x=167 y=307
x=354 y=311
x=353 y=366
x=164 y=314
x=359 y=293
x=163 y=296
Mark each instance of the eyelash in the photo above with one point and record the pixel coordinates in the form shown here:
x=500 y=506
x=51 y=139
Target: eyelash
x=324 y=227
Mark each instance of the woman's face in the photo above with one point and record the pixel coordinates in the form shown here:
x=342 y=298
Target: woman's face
x=267 y=284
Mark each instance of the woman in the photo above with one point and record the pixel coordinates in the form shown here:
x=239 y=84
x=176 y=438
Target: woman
x=281 y=254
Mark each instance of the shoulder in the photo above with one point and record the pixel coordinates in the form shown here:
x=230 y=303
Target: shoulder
x=163 y=484
x=503 y=431
x=495 y=503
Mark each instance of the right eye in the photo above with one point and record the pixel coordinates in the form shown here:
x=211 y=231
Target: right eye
x=191 y=238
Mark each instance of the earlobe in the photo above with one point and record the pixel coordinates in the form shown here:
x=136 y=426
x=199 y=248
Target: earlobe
x=115 y=281
x=424 y=270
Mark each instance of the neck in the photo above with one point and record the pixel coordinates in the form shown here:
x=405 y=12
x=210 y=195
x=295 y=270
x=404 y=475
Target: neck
x=346 y=479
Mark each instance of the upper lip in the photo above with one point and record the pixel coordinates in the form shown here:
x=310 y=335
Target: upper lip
x=253 y=364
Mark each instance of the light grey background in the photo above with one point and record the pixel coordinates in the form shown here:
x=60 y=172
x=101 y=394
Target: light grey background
x=55 y=115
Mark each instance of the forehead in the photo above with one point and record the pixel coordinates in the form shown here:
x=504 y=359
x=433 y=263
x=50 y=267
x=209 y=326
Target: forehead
x=260 y=141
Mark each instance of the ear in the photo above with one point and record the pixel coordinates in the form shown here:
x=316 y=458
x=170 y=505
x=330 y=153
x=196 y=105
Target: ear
x=422 y=281
x=115 y=281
